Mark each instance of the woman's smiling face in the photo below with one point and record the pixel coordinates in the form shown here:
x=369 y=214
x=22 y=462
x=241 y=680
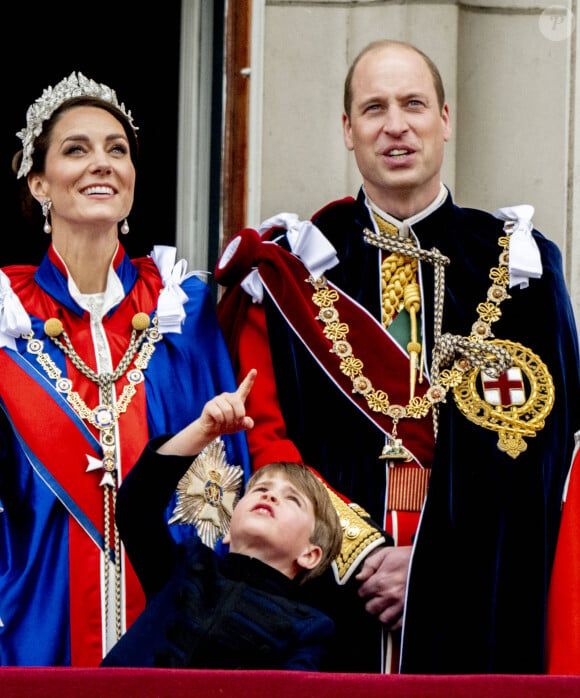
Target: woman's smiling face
x=89 y=175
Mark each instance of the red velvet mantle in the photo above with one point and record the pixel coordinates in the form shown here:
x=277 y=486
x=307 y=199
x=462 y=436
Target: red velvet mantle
x=121 y=683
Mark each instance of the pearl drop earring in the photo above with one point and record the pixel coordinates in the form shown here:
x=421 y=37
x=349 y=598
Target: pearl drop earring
x=46 y=204
x=125 y=227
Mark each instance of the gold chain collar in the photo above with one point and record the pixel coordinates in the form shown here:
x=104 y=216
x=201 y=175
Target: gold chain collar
x=473 y=350
x=104 y=417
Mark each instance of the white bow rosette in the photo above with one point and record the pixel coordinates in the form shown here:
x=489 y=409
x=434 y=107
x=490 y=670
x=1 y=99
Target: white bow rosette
x=306 y=242
x=170 y=311
x=525 y=262
x=14 y=320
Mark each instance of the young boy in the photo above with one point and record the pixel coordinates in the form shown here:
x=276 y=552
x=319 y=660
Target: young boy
x=242 y=610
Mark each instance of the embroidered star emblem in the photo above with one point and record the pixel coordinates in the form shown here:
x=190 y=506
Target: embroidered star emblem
x=207 y=494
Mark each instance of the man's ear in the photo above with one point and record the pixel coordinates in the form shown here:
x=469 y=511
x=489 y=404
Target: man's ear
x=347 y=132
x=310 y=557
x=446 y=120
x=226 y=539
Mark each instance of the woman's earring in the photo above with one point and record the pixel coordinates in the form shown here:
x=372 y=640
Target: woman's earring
x=46 y=204
x=125 y=227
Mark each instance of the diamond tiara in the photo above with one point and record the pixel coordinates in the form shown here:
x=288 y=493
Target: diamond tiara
x=76 y=85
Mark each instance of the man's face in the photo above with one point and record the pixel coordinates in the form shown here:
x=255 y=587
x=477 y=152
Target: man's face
x=397 y=130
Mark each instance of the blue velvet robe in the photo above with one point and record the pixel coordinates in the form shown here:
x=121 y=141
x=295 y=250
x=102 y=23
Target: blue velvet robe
x=51 y=510
x=483 y=552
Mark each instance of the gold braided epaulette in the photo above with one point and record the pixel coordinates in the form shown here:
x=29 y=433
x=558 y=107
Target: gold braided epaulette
x=359 y=537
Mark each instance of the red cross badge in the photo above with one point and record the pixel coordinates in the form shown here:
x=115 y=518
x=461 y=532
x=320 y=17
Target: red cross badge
x=514 y=405
x=506 y=390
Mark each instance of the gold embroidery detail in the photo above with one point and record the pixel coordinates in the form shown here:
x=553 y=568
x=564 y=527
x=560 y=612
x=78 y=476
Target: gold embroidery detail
x=467 y=354
x=397 y=271
x=358 y=534
x=352 y=367
x=407 y=487
x=400 y=290
x=352 y=532
x=512 y=422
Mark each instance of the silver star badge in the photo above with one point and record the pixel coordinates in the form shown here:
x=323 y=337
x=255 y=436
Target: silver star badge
x=207 y=494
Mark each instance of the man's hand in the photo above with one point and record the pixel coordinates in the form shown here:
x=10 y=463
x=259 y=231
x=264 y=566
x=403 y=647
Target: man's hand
x=383 y=578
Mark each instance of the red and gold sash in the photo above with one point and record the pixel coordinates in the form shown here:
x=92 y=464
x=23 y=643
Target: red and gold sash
x=386 y=363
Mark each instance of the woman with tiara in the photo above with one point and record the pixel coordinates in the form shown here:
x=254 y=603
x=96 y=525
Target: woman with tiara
x=98 y=354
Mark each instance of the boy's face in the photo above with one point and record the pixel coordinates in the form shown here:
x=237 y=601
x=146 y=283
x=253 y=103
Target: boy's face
x=273 y=522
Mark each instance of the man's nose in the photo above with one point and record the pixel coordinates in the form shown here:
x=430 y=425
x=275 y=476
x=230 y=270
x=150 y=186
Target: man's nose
x=394 y=121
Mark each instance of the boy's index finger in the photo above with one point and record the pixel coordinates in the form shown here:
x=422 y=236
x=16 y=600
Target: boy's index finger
x=246 y=385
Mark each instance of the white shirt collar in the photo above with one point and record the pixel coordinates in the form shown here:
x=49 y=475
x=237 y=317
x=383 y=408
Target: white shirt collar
x=403 y=226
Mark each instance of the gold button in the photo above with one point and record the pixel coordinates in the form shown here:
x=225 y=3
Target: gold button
x=140 y=321
x=352 y=532
x=53 y=327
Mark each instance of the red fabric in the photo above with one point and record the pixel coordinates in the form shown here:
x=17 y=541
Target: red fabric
x=85 y=626
x=333 y=204
x=244 y=325
x=283 y=274
x=185 y=683
x=68 y=463
x=238 y=257
x=267 y=441
x=563 y=622
x=402 y=526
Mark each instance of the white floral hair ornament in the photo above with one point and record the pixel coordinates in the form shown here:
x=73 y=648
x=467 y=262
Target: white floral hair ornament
x=76 y=85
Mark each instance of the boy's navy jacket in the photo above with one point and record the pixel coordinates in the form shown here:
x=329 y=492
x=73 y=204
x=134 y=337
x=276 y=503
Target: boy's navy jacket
x=205 y=610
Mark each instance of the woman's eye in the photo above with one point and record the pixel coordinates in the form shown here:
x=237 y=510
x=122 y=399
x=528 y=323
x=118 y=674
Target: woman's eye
x=120 y=148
